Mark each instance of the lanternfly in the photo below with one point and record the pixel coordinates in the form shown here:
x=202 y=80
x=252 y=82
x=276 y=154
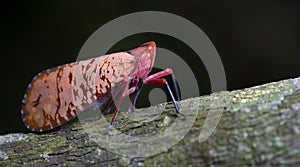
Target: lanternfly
x=57 y=95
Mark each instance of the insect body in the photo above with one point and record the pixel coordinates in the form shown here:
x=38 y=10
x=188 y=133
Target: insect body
x=58 y=94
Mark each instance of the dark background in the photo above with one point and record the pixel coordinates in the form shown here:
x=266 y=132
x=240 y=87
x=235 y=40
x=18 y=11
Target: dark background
x=258 y=42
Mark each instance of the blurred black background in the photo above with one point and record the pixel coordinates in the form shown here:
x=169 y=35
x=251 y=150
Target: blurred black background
x=258 y=42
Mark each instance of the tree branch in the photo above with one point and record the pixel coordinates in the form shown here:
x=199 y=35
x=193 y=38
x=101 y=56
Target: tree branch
x=258 y=126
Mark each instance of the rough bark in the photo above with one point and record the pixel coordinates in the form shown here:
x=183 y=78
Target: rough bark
x=259 y=126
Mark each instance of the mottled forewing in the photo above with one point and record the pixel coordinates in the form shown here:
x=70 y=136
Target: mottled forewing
x=57 y=95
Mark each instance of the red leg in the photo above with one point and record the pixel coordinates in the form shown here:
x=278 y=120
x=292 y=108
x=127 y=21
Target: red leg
x=162 y=81
x=129 y=91
x=116 y=92
x=160 y=74
x=156 y=81
x=124 y=94
x=152 y=79
x=133 y=98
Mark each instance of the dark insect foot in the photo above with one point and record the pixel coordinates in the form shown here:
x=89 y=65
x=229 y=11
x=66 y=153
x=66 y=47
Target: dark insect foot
x=108 y=128
x=179 y=113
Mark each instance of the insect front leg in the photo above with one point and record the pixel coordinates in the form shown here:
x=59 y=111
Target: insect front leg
x=176 y=87
x=157 y=79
